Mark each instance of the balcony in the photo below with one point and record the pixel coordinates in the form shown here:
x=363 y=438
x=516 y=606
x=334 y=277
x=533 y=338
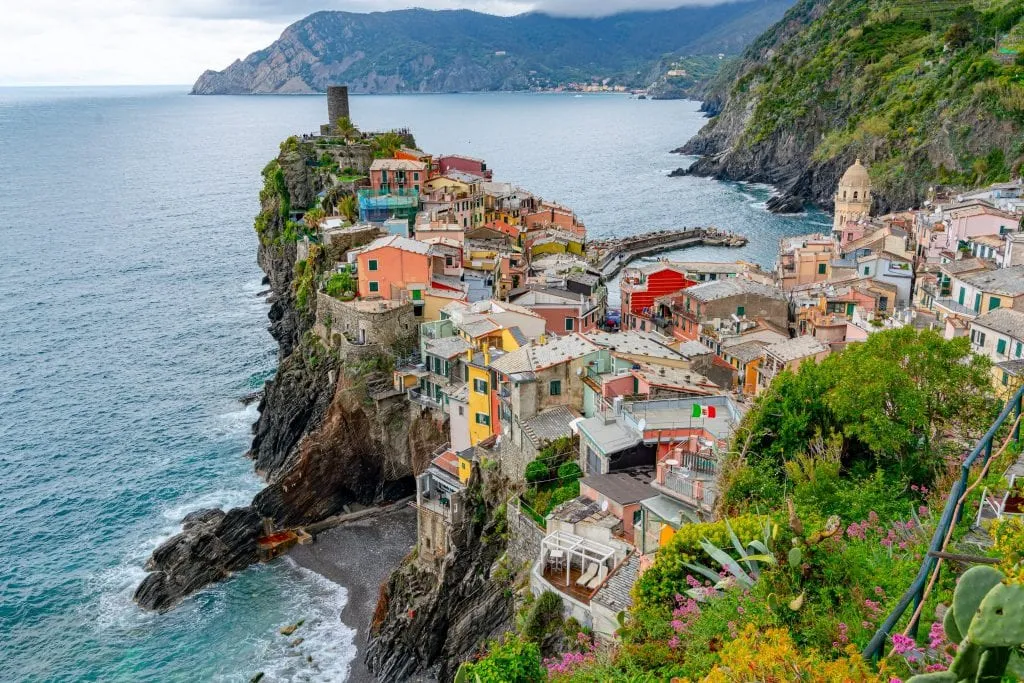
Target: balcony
x=693 y=488
x=417 y=396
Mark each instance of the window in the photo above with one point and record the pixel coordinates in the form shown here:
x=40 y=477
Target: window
x=977 y=302
x=372 y=264
x=417 y=295
x=1020 y=348
x=741 y=311
x=993 y=303
x=415 y=176
x=462 y=411
x=483 y=419
x=963 y=293
x=480 y=386
x=1001 y=346
x=981 y=339
x=570 y=324
x=821 y=268
x=449 y=261
x=867 y=270
x=374 y=286
x=1006 y=378
x=855 y=194
x=555 y=388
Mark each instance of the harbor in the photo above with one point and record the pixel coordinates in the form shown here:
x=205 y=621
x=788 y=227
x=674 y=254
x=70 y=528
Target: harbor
x=612 y=255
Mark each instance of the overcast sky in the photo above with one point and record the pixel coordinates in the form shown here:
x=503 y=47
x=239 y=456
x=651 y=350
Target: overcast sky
x=86 y=42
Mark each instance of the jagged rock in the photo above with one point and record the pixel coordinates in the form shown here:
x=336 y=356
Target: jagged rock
x=679 y=173
x=202 y=517
x=785 y=203
x=429 y=624
x=206 y=552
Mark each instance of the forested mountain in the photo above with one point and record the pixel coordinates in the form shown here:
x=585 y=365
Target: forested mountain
x=926 y=92
x=443 y=51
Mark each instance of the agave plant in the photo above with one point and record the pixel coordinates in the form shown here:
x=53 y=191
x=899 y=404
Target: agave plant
x=744 y=569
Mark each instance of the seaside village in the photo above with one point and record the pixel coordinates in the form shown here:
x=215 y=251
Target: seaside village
x=610 y=420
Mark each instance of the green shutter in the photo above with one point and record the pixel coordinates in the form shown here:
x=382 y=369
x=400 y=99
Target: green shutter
x=1001 y=346
x=993 y=303
x=417 y=295
x=963 y=293
x=740 y=311
x=977 y=302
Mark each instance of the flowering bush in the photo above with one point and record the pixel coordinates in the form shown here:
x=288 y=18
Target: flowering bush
x=771 y=655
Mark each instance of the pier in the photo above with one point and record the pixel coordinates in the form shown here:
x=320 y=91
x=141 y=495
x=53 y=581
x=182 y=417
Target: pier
x=611 y=255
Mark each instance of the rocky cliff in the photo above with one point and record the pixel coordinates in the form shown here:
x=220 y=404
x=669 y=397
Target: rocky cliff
x=920 y=91
x=321 y=442
x=429 y=621
x=456 y=51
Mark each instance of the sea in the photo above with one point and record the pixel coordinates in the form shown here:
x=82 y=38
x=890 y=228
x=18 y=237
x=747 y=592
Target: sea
x=131 y=324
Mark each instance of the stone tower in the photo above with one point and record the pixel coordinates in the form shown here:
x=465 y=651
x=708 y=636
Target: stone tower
x=853 y=198
x=337 y=105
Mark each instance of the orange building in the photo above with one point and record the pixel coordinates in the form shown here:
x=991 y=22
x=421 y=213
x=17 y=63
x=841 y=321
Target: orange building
x=397 y=268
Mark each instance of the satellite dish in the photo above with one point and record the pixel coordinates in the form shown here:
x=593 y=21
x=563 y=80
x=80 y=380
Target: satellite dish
x=604 y=506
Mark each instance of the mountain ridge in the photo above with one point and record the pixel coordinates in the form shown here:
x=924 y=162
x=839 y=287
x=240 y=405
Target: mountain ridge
x=919 y=89
x=419 y=50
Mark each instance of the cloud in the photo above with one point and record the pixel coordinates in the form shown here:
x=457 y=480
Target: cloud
x=58 y=42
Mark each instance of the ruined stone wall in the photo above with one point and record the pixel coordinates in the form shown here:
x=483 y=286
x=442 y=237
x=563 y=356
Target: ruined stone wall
x=386 y=329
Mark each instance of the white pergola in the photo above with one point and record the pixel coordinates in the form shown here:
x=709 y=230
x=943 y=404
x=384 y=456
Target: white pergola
x=569 y=546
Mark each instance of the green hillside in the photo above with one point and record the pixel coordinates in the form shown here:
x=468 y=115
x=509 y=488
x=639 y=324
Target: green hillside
x=926 y=91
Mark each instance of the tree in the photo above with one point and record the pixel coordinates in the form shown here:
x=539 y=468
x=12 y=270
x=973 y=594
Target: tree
x=349 y=208
x=386 y=144
x=346 y=129
x=314 y=217
x=891 y=398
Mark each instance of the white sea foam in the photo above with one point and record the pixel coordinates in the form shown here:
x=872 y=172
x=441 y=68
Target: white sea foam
x=328 y=646
x=235 y=423
x=224 y=499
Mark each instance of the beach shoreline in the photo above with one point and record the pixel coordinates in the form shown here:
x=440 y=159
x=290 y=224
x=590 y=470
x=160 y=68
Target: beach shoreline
x=359 y=556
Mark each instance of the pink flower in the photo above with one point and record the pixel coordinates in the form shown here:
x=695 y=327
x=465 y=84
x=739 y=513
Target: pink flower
x=936 y=636
x=693 y=583
x=873 y=517
x=913 y=487
x=879 y=591
x=902 y=644
x=922 y=510
x=866 y=624
x=935 y=667
x=673 y=642
x=903 y=545
x=740 y=610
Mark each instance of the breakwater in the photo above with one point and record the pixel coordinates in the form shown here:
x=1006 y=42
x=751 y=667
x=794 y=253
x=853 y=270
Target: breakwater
x=612 y=255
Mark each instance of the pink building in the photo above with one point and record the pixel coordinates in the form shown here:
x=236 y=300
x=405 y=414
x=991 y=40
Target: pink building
x=399 y=176
x=455 y=162
x=962 y=223
x=564 y=312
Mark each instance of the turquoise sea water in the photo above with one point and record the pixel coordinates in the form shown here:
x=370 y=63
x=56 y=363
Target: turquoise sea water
x=130 y=326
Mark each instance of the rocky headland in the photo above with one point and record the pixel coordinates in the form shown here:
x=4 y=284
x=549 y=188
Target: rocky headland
x=922 y=98
x=321 y=442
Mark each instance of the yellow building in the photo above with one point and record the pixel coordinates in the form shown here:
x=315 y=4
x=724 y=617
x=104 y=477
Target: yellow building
x=853 y=198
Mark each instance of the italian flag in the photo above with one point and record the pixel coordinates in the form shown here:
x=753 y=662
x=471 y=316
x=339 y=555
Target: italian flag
x=702 y=411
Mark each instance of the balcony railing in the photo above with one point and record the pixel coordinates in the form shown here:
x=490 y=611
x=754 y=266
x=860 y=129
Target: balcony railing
x=696 y=491
x=417 y=396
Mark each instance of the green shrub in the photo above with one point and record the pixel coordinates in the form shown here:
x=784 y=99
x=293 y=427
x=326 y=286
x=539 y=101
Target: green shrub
x=568 y=472
x=565 y=493
x=544 y=618
x=537 y=470
x=514 y=660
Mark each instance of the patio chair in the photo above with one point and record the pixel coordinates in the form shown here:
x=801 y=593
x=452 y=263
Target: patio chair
x=602 y=574
x=586 y=577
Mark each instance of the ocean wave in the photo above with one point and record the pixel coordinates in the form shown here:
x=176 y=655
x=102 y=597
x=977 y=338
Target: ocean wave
x=327 y=648
x=224 y=499
x=235 y=423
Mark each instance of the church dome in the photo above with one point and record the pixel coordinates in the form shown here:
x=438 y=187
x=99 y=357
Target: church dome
x=856 y=176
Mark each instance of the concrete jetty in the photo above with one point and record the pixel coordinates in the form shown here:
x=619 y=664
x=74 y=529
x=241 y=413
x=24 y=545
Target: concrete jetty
x=610 y=256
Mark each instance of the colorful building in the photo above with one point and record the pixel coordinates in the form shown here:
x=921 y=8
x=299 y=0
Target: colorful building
x=641 y=286
x=399 y=176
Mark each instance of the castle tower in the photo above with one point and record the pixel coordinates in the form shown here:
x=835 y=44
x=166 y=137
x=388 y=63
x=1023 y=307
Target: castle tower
x=337 y=105
x=853 y=198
